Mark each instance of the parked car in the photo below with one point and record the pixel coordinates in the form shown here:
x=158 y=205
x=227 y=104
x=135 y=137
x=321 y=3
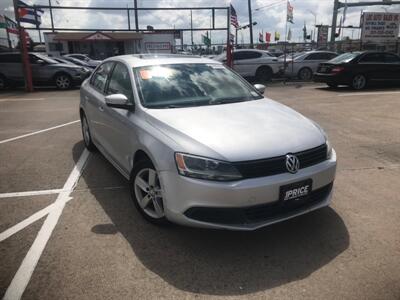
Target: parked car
x=259 y=64
x=45 y=71
x=69 y=62
x=304 y=65
x=200 y=146
x=358 y=69
x=85 y=58
x=78 y=62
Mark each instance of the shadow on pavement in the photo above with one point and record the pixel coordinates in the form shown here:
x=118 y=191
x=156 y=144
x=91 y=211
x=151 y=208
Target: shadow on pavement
x=372 y=87
x=217 y=262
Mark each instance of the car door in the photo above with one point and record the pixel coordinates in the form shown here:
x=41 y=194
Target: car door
x=373 y=66
x=94 y=97
x=313 y=60
x=246 y=62
x=392 y=63
x=11 y=66
x=119 y=130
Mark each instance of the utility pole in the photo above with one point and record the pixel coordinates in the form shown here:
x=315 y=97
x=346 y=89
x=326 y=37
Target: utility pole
x=136 y=16
x=26 y=67
x=334 y=21
x=251 y=23
x=51 y=16
x=191 y=27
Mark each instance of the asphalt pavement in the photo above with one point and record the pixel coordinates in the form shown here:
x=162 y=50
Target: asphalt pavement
x=69 y=230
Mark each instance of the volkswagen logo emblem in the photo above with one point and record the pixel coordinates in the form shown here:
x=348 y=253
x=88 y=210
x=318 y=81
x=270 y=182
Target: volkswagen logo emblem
x=292 y=163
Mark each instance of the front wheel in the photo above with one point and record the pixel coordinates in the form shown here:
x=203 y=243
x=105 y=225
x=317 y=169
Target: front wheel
x=146 y=192
x=63 y=81
x=359 y=82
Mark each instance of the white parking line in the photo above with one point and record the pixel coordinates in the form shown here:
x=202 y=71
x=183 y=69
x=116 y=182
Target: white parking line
x=368 y=94
x=21 y=99
x=30 y=193
x=25 y=271
x=37 y=132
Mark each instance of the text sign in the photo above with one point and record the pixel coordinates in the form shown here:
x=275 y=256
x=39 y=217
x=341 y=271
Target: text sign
x=380 y=26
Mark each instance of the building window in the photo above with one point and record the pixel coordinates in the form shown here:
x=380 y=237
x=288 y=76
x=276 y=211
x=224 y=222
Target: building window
x=56 y=47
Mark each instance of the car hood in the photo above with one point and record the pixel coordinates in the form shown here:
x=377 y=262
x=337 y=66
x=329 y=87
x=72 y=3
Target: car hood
x=238 y=131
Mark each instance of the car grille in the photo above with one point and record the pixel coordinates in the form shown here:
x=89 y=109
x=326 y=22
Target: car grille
x=277 y=165
x=258 y=213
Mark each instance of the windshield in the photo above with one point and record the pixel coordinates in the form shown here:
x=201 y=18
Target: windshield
x=344 y=58
x=183 y=85
x=46 y=58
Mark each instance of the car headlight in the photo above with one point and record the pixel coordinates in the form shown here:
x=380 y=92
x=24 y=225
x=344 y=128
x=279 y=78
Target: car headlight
x=328 y=143
x=205 y=168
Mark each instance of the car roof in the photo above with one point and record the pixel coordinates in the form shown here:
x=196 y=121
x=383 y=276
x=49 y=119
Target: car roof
x=140 y=60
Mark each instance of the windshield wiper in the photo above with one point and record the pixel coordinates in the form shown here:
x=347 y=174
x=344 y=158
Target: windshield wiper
x=227 y=100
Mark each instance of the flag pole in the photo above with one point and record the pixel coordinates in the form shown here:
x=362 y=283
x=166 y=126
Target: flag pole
x=26 y=67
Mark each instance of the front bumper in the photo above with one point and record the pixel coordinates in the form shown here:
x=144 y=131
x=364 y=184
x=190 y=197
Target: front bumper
x=223 y=205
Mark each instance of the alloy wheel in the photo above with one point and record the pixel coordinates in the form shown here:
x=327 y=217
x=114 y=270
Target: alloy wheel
x=305 y=74
x=63 y=82
x=359 y=82
x=148 y=193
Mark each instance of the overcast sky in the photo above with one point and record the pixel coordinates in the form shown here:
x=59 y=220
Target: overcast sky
x=269 y=19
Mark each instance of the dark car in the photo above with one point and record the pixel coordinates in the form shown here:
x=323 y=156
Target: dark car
x=358 y=69
x=45 y=71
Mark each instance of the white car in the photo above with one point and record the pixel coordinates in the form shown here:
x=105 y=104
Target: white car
x=85 y=58
x=304 y=65
x=259 y=64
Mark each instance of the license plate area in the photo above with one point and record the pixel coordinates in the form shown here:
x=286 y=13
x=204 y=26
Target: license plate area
x=295 y=191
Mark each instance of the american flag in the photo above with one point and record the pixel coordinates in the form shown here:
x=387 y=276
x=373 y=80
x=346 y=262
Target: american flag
x=234 y=19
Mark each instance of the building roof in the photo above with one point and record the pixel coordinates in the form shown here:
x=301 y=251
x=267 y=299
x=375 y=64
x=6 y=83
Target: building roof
x=96 y=35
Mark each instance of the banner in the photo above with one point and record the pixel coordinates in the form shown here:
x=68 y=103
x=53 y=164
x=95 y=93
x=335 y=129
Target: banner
x=289 y=16
x=322 y=38
x=379 y=26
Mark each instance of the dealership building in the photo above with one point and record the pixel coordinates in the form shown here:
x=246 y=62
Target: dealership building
x=101 y=45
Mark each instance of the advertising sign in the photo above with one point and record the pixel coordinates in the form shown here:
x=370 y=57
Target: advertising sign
x=323 y=36
x=152 y=46
x=379 y=26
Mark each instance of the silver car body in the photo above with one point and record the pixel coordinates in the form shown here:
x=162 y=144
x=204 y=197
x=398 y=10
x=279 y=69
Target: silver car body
x=309 y=60
x=237 y=132
x=85 y=58
x=247 y=61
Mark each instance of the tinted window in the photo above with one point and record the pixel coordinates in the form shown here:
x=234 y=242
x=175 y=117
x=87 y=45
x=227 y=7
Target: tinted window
x=319 y=56
x=345 y=57
x=10 y=58
x=372 y=58
x=99 y=78
x=120 y=82
x=246 y=55
x=391 y=58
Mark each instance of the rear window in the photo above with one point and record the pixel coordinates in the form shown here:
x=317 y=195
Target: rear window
x=345 y=57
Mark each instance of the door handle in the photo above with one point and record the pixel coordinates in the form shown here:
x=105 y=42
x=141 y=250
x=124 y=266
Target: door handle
x=101 y=108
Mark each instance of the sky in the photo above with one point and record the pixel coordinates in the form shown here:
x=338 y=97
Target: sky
x=270 y=16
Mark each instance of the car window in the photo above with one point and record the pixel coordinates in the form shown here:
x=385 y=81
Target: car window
x=99 y=78
x=372 y=58
x=120 y=82
x=344 y=58
x=183 y=85
x=315 y=56
x=391 y=58
x=10 y=58
x=246 y=55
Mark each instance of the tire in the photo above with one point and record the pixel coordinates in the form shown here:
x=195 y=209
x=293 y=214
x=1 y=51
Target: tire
x=3 y=82
x=63 y=81
x=146 y=192
x=332 y=85
x=264 y=74
x=87 y=137
x=359 y=82
x=305 y=74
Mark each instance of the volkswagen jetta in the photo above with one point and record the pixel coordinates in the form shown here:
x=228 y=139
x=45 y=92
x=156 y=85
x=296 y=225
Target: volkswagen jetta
x=202 y=147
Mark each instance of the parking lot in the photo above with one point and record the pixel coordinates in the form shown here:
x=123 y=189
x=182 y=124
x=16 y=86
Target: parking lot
x=68 y=229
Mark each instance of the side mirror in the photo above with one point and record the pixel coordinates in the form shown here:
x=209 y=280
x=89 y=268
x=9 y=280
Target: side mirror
x=260 y=88
x=119 y=101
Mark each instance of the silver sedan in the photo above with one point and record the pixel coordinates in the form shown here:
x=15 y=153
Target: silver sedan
x=202 y=147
